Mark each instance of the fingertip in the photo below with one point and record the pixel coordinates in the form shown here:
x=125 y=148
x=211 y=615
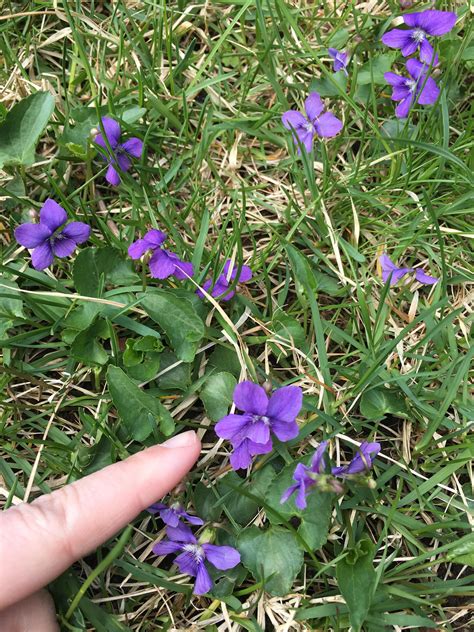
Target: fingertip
x=186 y=439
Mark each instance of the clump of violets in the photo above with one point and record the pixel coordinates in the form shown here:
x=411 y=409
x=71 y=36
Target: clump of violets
x=231 y=275
x=423 y=24
x=194 y=556
x=340 y=59
x=120 y=154
x=250 y=433
x=163 y=263
x=315 y=123
x=51 y=238
x=173 y=514
x=395 y=273
x=310 y=477
x=417 y=87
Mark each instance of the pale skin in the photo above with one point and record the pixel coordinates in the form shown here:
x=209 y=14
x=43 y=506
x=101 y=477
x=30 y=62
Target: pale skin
x=40 y=540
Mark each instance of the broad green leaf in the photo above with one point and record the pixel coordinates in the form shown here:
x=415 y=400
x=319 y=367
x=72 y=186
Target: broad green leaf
x=11 y=303
x=139 y=410
x=240 y=505
x=86 y=346
x=287 y=334
x=217 y=394
x=329 y=87
x=373 y=71
x=272 y=556
x=462 y=554
x=176 y=378
x=205 y=501
x=356 y=578
x=22 y=127
x=377 y=402
x=225 y=359
x=133 y=114
x=85 y=273
x=178 y=320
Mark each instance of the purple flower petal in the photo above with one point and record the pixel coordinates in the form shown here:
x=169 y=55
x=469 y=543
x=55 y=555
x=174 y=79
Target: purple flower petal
x=62 y=247
x=156 y=508
x=192 y=519
x=292 y=119
x=169 y=517
x=328 y=125
x=52 y=215
x=183 y=270
x=138 y=248
x=429 y=93
x=251 y=398
x=410 y=47
x=259 y=448
x=285 y=403
x=285 y=430
x=313 y=106
x=203 y=581
x=427 y=53
x=241 y=458
x=161 y=264
x=181 y=533
x=361 y=462
x=245 y=272
x=166 y=546
x=187 y=563
x=432 y=21
x=392 y=271
x=222 y=557
x=397 y=38
x=403 y=108
x=425 y=279
x=77 y=231
x=416 y=68
x=112 y=132
x=394 y=80
x=231 y=425
x=123 y=162
x=154 y=238
x=259 y=432
x=42 y=256
x=112 y=176
x=300 y=500
x=400 y=93
x=134 y=147
x=32 y=235
x=317 y=462
x=333 y=52
x=289 y=492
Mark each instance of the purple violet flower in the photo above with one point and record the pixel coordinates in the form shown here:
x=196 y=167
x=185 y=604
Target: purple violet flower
x=361 y=462
x=340 y=58
x=163 y=263
x=193 y=556
x=391 y=271
x=418 y=87
x=121 y=152
x=423 y=24
x=250 y=433
x=223 y=282
x=47 y=239
x=173 y=514
x=305 y=128
x=306 y=477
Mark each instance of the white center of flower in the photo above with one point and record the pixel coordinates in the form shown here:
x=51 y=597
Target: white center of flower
x=411 y=84
x=195 y=550
x=308 y=127
x=175 y=506
x=266 y=420
x=418 y=35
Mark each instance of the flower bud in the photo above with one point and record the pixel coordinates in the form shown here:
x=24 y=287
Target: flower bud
x=208 y=535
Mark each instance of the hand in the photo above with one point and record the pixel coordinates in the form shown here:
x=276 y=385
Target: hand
x=39 y=541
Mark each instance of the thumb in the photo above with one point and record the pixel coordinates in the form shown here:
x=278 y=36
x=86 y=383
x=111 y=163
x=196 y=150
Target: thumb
x=38 y=541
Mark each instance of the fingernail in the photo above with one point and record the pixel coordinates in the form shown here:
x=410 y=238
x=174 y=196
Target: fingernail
x=183 y=440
